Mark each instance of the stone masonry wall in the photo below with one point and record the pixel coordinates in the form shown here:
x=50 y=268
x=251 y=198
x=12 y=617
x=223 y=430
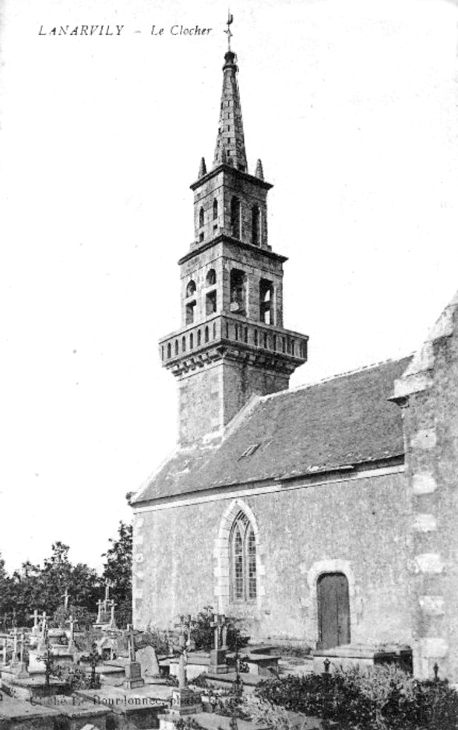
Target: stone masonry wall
x=241 y=381
x=200 y=403
x=358 y=527
x=222 y=187
x=222 y=258
x=428 y=392
x=212 y=395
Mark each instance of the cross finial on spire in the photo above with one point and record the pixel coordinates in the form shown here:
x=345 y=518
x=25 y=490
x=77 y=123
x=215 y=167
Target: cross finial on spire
x=230 y=142
x=230 y=20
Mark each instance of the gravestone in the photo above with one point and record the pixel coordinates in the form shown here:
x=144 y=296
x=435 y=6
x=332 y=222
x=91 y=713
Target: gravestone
x=184 y=700
x=133 y=668
x=36 y=623
x=218 y=663
x=4 y=651
x=43 y=635
x=20 y=669
x=106 y=611
x=148 y=661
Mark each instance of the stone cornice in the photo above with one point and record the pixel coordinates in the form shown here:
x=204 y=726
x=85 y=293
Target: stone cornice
x=224 y=238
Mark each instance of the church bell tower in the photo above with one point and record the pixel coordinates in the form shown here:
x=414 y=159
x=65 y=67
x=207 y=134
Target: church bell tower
x=232 y=343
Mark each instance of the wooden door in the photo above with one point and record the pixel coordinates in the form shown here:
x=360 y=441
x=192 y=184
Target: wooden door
x=333 y=610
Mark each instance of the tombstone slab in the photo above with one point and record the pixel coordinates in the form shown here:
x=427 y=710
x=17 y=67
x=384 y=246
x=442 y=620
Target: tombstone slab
x=218 y=661
x=148 y=661
x=185 y=702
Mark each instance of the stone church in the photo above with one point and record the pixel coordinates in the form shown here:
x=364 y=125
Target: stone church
x=327 y=513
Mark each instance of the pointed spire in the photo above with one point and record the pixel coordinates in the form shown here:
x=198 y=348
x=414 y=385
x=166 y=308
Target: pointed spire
x=202 y=168
x=230 y=140
x=259 y=171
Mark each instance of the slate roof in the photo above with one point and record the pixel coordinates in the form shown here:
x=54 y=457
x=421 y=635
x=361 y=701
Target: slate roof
x=344 y=421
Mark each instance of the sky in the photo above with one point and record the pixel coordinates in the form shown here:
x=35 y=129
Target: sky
x=352 y=107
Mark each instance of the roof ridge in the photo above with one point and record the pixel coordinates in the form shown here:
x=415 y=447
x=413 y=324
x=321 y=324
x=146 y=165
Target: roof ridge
x=304 y=386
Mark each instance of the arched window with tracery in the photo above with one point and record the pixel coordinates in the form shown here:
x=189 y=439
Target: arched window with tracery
x=243 y=559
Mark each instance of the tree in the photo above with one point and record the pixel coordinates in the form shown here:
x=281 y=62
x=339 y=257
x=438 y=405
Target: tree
x=43 y=588
x=203 y=631
x=118 y=571
x=26 y=593
x=55 y=577
x=6 y=601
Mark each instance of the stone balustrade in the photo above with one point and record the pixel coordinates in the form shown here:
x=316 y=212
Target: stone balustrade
x=231 y=330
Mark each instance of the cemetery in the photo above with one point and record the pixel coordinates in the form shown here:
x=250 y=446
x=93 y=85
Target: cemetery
x=203 y=672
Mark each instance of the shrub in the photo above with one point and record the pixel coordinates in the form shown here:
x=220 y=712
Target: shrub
x=268 y=715
x=437 y=705
x=76 y=677
x=380 y=698
x=200 y=681
x=203 y=632
x=293 y=650
x=154 y=637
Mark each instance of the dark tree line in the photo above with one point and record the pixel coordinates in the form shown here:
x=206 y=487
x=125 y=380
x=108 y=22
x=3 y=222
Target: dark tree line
x=43 y=587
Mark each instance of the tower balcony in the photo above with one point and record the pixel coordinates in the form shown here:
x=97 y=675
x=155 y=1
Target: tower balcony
x=234 y=337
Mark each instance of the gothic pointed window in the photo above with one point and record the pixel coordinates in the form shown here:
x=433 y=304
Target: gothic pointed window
x=201 y=217
x=235 y=217
x=211 y=277
x=243 y=559
x=255 y=225
x=215 y=210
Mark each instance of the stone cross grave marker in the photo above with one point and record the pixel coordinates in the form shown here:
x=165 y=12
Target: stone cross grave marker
x=34 y=615
x=133 y=668
x=71 y=641
x=108 y=585
x=66 y=598
x=112 y=615
x=184 y=644
x=218 y=662
x=15 y=642
x=184 y=700
x=131 y=642
x=44 y=632
x=99 y=611
x=21 y=650
x=21 y=666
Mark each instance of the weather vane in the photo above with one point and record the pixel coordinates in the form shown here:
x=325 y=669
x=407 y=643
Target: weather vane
x=230 y=20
